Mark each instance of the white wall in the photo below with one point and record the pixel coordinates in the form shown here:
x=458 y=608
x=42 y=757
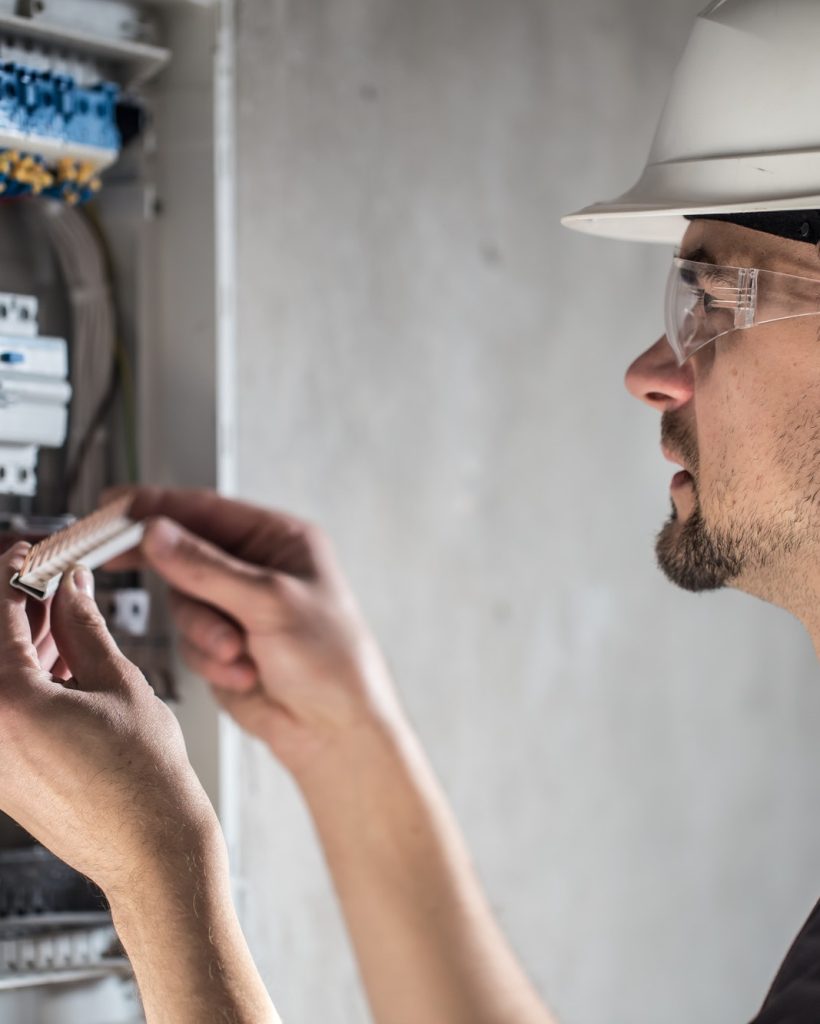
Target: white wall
x=432 y=368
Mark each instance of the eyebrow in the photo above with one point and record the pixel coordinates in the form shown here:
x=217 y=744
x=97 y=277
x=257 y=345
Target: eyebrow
x=734 y=258
x=701 y=255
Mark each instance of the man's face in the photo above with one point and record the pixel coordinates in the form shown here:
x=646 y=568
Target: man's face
x=743 y=418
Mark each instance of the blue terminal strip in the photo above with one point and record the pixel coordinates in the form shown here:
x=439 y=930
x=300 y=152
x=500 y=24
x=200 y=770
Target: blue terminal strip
x=54 y=106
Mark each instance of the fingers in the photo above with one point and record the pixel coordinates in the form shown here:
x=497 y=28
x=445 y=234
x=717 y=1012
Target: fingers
x=38 y=613
x=85 y=646
x=223 y=521
x=256 y=535
x=47 y=653
x=251 y=711
x=60 y=670
x=207 y=629
x=16 y=648
x=198 y=569
x=211 y=645
x=239 y=676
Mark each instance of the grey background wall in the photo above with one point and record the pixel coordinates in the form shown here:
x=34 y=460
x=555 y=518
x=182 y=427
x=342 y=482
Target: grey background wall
x=432 y=368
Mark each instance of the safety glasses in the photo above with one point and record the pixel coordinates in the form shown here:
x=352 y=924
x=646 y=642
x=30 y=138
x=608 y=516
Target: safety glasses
x=705 y=302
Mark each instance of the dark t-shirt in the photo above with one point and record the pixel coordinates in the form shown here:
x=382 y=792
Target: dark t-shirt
x=794 y=997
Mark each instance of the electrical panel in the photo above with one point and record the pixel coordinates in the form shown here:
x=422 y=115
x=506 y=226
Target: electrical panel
x=115 y=177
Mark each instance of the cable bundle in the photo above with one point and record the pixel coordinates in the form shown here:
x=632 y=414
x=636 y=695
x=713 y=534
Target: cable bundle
x=84 y=268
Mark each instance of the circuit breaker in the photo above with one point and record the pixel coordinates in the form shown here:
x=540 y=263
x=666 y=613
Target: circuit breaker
x=34 y=393
x=115 y=285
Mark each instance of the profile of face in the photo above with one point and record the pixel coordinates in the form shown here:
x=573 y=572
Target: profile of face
x=742 y=417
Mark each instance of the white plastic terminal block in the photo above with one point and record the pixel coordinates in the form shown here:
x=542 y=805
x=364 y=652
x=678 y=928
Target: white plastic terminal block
x=91 y=541
x=18 y=469
x=18 y=315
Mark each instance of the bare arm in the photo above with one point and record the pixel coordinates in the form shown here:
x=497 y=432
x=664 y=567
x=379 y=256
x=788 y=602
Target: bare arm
x=185 y=945
x=426 y=942
x=265 y=615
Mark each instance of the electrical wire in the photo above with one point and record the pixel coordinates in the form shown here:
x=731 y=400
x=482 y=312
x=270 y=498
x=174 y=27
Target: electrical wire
x=125 y=368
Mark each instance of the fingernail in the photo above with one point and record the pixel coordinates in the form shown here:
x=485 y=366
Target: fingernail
x=83 y=580
x=163 y=536
x=17 y=555
x=18 y=550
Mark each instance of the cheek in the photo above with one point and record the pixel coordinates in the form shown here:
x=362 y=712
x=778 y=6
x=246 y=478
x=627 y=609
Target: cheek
x=732 y=429
x=790 y=407
x=757 y=403
x=797 y=452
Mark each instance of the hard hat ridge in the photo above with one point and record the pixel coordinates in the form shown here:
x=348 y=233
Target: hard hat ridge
x=739 y=132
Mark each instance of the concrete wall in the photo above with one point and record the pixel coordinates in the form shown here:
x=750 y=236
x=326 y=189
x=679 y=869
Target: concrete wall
x=431 y=368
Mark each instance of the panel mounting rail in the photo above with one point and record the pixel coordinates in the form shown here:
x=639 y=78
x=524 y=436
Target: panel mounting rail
x=131 y=63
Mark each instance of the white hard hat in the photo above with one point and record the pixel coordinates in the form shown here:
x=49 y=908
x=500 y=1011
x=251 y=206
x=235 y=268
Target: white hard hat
x=741 y=128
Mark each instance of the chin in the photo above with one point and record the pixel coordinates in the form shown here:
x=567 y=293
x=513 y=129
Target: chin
x=693 y=557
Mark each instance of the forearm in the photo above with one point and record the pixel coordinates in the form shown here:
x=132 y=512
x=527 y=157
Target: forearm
x=180 y=931
x=427 y=945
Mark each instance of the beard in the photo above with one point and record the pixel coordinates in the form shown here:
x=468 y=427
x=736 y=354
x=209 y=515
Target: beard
x=695 y=558
x=689 y=553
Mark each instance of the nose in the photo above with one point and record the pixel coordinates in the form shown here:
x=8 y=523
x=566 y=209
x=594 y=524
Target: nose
x=656 y=378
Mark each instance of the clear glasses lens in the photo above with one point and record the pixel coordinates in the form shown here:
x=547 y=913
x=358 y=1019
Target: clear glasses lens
x=705 y=302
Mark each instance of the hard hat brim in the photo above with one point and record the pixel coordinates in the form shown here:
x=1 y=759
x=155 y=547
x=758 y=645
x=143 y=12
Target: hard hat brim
x=656 y=208
x=662 y=225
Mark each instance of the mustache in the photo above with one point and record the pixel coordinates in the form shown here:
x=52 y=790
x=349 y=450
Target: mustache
x=675 y=436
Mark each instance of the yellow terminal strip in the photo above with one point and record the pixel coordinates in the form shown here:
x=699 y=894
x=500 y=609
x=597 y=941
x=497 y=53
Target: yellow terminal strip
x=66 y=169
x=85 y=173
x=76 y=180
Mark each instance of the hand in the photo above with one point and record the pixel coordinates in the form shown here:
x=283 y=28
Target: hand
x=94 y=767
x=39 y=617
x=265 y=616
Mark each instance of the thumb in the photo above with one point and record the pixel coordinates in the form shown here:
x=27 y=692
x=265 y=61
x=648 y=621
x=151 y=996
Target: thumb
x=199 y=569
x=86 y=647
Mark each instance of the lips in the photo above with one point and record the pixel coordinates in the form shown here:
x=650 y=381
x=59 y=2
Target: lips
x=670 y=456
x=683 y=478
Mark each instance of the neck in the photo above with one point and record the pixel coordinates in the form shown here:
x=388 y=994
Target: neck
x=795 y=587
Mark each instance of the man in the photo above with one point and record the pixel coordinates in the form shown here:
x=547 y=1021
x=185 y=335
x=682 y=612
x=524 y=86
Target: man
x=265 y=616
